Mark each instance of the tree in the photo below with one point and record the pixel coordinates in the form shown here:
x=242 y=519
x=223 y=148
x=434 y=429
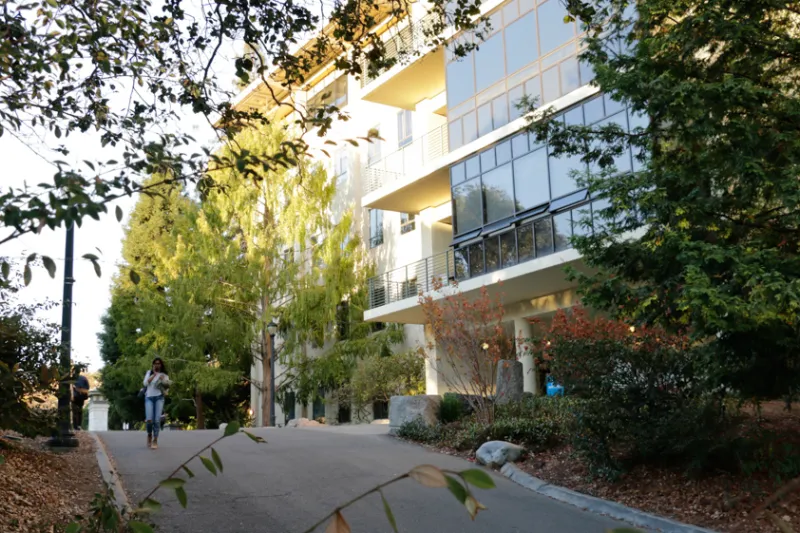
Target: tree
x=703 y=235
x=379 y=377
x=119 y=71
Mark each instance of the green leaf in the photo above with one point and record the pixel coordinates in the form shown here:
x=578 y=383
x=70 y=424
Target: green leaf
x=151 y=505
x=172 y=483
x=232 y=429
x=2 y=460
x=255 y=438
x=52 y=3
x=139 y=527
x=188 y=472
x=478 y=478
x=27 y=275
x=73 y=527
x=97 y=270
x=6 y=269
x=457 y=489
x=118 y=213
x=134 y=277
x=389 y=514
x=209 y=465
x=217 y=460
x=50 y=265
x=180 y=493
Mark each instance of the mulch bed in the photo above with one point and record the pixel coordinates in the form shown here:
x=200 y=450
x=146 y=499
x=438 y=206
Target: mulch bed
x=40 y=488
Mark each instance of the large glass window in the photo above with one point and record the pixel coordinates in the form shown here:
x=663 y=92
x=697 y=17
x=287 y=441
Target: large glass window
x=334 y=93
x=467 y=200
x=553 y=31
x=521 y=46
x=375 y=227
x=405 y=130
x=530 y=180
x=498 y=193
x=460 y=81
x=489 y=63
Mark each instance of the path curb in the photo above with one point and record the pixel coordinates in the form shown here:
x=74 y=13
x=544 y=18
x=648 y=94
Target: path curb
x=597 y=505
x=111 y=477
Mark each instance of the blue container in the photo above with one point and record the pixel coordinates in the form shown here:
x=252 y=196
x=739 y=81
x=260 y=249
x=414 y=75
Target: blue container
x=554 y=389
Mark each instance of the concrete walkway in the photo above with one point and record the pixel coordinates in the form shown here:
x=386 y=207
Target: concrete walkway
x=302 y=474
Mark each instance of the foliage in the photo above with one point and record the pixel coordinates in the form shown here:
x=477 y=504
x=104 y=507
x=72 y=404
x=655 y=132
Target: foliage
x=69 y=81
x=29 y=354
x=379 y=377
x=451 y=408
x=643 y=399
x=468 y=342
x=711 y=89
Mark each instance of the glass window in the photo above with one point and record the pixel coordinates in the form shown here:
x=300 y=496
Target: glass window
x=533 y=88
x=475 y=259
x=593 y=110
x=467 y=200
x=508 y=249
x=530 y=180
x=489 y=64
x=492 y=251
x=473 y=167
x=405 y=132
x=408 y=223
x=521 y=47
x=457 y=174
x=553 y=32
x=514 y=98
x=461 y=263
x=375 y=227
x=612 y=106
x=599 y=221
x=498 y=193
x=543 y=231
x=586 y=72
x=570 y=80
x=500 y=112
x=550 y=83
x=561 y=173
x=510 y=12
x=562 y=223
x=487 y=159
x=519 y=144
x=460 y=81
x=484 y=119
x=525 y=5
x=455 y=137
x=470 y=127
x=525 y=242
x=574 y=117
x=503 y=151
x=582 y=220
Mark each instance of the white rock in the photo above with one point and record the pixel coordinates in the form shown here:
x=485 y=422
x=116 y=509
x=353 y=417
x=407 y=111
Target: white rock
x=380 y=422
x=403 y=409
x=496 y=453
x=223 y=426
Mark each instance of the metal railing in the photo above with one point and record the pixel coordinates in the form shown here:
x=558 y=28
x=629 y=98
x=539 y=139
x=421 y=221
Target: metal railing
x=403 y=161
x=412 y=38
x=410 y=280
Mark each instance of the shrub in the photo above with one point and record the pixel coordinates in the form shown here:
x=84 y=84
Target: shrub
x=418 y=431
x=379 y=377
x=451 y=408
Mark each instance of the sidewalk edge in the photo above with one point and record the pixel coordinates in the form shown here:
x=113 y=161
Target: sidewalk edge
x=596 y=505
x=111 y=477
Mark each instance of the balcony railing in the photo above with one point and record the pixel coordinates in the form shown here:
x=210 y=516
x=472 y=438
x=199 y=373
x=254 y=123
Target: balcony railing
x=519 y=244
x=404 y=161
x=403 y=44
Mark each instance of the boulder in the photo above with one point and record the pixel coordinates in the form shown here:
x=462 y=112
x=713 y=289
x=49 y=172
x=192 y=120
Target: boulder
x=496 y=453
x=404 y=409
x=223 y=426
x=510 y=382
x=302 y=423
x=380 y=422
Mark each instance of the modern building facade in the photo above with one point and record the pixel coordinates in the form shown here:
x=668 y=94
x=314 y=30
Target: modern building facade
x=457 y=190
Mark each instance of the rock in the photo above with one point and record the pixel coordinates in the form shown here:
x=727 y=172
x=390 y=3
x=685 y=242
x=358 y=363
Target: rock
x=510 y=382
x=302 y=423
x=496 y=453
x=403 y=409
x=380 y=422
x=223 y=426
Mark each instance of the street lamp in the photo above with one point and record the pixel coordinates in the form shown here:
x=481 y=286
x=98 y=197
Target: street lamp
x=272 y=328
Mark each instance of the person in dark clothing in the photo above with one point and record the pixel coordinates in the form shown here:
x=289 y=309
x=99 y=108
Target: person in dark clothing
x=80 y=393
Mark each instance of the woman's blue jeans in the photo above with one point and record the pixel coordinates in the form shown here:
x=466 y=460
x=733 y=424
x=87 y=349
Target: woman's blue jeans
x=153 y=407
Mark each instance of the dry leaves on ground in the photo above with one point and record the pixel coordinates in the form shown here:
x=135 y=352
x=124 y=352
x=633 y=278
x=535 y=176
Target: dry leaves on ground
x=39 y=487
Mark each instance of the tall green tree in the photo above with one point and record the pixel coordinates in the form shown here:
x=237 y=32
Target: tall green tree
x=703 y=236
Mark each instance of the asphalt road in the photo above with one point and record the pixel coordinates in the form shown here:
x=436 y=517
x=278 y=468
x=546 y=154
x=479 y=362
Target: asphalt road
x=300 y=475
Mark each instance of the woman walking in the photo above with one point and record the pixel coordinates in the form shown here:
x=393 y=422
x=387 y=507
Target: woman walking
x=156 y=383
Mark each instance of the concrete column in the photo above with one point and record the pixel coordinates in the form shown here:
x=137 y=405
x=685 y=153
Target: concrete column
x=98 y=411
x=524 y=330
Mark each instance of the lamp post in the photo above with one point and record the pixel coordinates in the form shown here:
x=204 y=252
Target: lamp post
x=65 y=437
x=272 y=328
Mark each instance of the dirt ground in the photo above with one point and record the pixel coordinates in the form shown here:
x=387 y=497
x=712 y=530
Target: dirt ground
x=40 y=488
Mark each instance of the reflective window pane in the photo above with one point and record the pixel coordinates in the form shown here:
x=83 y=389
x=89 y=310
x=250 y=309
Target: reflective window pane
x=489 y=64
x=460 y=81
x=525 y=5
x=492 y=251
x=503 y=151
x=484 y=119
x=530 y=180
x=475 y=259
x=582 y=220
x=525 y=242
x=455 y=137
x=612 y=106
x=508 y=249
x=461 y=263
x=570 y=79
x=561 y=169
x=521 y=47
x=498 y=193
x=593 y=110
x=510 y=12
x=574 y=117
x=467 y=200
x=457 y=174
x=470 y=127
x=599 y=219
x=562 y=223
x=473 y=167
x=550 y=90
x=543 y=233
x=553 y=31
x=499 y=112
x=487 y=159
x=514 y=99
x=586 y=72
x=533 y=88
x=519 y=144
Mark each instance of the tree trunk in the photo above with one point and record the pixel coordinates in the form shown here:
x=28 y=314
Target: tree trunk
x=199 y=415
x=266 y=374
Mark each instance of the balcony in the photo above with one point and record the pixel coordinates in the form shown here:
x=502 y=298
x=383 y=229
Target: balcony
x=410 y=179
x=528 y=258
x=418 y=73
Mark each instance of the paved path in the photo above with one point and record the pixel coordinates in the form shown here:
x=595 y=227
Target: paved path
x=302 y=474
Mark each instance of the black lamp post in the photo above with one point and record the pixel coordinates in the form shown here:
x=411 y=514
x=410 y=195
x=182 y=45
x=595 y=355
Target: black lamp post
x=272 y=328
x=65 y=437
